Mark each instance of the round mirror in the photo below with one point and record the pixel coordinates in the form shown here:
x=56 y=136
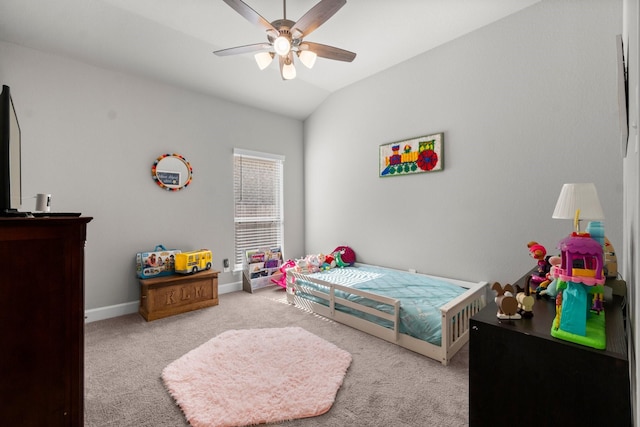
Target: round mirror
x=171 y=172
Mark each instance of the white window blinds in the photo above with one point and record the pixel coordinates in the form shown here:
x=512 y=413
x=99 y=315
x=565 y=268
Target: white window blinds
x=257 y=189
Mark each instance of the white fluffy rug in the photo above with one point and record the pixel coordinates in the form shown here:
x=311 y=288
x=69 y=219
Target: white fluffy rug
x=254 y=376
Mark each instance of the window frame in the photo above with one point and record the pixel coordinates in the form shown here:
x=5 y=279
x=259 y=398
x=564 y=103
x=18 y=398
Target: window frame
x=278 y=160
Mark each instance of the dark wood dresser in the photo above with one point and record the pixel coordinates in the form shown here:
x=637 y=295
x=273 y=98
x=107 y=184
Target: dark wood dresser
x=42 y=321
x=520 y=374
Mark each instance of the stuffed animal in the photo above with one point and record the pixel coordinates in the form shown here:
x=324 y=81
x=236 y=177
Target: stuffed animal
x=313 y=263
x=339 y=262
x=301 y=265
x=324 y=265
x=346 y=255
x=330 y=259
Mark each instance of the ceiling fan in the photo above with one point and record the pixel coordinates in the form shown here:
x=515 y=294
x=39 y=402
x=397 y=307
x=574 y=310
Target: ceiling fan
x=285 y=37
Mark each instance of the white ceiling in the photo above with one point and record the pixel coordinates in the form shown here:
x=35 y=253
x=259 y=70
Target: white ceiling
x=173 y=40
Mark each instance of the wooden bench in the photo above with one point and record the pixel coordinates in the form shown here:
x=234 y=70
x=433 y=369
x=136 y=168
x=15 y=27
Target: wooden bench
x=165 y=296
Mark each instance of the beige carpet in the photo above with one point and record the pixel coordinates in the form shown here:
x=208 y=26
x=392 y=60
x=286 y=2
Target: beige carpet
x=385 y=385
x=256 y=376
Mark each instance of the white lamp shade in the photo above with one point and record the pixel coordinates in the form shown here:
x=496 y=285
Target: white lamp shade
x=583 y=197
x=263 y=59
x=308 y=58
x=289 y=71
x=282 y=45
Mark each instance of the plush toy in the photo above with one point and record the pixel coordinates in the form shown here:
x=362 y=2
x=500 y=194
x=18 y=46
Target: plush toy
x=301 y=265
x=339 y=262
x=344 y=256
x=329 y=259
x=324 y=265
x=313 y=263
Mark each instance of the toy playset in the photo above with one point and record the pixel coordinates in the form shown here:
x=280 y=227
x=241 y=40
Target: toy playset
x=579 y=301
x=576 y=280
x=157 y=263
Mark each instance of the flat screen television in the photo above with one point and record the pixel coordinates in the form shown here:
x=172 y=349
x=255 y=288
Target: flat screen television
x=10 y=171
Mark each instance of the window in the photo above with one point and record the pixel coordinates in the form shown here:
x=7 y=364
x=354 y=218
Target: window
x=257 y=191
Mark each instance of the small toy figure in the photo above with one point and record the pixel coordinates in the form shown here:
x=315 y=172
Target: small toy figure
x=547 y=288
x=538 y=252
x=525 y=302
x=506 y=302
x=597 y=303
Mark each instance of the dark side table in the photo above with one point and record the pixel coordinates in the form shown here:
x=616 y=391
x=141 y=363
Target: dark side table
x=519 y=373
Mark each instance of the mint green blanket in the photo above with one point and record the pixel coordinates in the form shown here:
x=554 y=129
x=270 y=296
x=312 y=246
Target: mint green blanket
x=420 y=296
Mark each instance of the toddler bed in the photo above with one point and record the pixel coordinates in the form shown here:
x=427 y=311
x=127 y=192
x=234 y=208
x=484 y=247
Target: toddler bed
x=426 y=314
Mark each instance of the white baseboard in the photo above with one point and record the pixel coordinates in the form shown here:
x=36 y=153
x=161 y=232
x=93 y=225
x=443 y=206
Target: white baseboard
x=108 y=312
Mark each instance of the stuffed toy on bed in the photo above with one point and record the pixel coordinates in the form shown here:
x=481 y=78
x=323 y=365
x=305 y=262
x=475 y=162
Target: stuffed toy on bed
x=344 y=256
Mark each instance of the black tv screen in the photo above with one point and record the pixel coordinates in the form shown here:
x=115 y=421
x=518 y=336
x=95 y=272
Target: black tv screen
x=10 y=162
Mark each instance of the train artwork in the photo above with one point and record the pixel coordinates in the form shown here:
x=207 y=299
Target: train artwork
x=423 y=154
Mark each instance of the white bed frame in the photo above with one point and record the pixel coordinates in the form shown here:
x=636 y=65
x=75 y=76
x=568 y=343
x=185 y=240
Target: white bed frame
x=455 y=314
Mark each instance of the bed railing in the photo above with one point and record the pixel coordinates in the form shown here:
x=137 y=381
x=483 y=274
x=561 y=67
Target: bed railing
x=333 y=296
x=455 y=314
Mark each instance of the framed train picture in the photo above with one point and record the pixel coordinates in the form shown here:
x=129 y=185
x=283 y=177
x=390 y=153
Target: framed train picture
x=415 y=155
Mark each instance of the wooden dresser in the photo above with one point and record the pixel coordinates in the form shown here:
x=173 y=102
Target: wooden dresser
x=42 y=321
x=520 y=375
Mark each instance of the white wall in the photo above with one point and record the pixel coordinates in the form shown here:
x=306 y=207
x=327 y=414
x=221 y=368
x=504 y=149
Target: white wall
x=90 y=137
x=526 y=104
x=631 y=216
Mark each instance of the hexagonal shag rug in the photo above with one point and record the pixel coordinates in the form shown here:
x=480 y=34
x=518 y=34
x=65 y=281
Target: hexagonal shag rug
x=255 y=376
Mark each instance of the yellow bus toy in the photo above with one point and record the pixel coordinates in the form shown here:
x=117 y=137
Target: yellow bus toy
x=193 y=261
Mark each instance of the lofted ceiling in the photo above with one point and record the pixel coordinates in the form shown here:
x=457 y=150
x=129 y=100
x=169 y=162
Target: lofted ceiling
x=172 y=41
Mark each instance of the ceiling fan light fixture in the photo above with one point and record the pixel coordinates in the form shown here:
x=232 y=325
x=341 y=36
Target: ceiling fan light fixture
x=286 y=37
x=289 y=71
x=307 y=57
x=263 y=59
x=282 y=45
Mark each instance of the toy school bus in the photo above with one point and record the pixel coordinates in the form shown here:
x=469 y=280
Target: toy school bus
x=193 y=261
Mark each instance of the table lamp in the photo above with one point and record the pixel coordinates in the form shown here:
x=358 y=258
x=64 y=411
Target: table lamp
x=578 y=201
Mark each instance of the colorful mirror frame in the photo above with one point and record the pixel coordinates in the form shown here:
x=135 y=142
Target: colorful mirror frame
x=170 y=178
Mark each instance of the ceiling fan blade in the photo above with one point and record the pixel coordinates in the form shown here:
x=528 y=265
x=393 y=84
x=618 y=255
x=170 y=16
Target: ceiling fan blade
x=328 y=52
x=316 y=16
x=251 y=15
x=243 y=49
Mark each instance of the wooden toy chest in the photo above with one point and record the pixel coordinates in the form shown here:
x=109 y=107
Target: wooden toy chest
x=165 y=296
